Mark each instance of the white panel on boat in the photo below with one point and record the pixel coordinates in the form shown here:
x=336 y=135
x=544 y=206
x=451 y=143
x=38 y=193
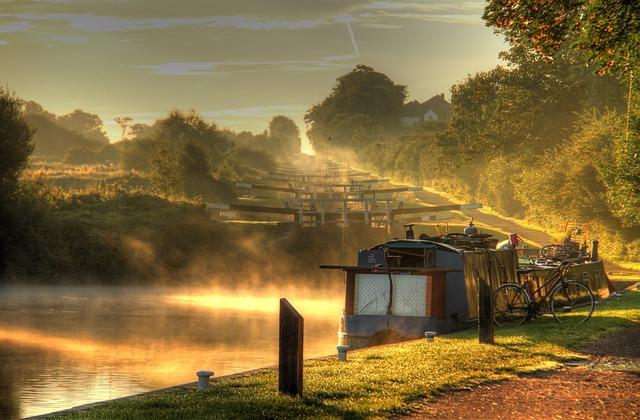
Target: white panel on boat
x=409 y=295
x=372 y=294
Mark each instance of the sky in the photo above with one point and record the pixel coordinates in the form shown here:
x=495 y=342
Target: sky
x=237 y=62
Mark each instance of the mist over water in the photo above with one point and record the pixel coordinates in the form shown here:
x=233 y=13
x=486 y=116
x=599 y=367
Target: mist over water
x=66 y=346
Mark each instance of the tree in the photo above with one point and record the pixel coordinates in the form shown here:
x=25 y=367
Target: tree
x=361 y=99
x=15 y=142
x=55 y=136
x=622 y=175
x=284 y=134
x=15 y=148
x=166 y=173
x=139 y=130
x=527 y=107
x=85 y=124
x=608 y=30
x=195 y=170
x=123 y=122
x=180 y=128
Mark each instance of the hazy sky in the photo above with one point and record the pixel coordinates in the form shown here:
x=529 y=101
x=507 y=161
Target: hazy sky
x=238 y=62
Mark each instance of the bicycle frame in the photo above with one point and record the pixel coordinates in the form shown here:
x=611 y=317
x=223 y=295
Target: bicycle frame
x=556 y=277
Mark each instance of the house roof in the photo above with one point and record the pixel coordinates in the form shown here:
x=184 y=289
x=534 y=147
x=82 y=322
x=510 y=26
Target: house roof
x=440 y=106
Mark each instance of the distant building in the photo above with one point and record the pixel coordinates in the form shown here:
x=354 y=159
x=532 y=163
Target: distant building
x=436 y=109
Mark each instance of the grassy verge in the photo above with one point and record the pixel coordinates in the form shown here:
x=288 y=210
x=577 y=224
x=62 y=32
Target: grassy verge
x=385 y=381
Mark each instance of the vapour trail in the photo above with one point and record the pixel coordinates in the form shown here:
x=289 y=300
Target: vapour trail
x=353 y=38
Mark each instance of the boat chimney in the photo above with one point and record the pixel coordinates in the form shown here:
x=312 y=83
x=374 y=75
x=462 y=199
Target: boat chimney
x=594 y=250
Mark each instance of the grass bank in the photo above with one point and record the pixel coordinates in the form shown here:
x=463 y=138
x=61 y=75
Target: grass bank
x=118 y=236
x=385 y=381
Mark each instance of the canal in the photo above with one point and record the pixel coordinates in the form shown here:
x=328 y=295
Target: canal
x=65 y=346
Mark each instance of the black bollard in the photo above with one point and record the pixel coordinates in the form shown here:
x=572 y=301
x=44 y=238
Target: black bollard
x=290 y=360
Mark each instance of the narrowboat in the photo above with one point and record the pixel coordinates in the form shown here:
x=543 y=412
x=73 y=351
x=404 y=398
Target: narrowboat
x=403 y=287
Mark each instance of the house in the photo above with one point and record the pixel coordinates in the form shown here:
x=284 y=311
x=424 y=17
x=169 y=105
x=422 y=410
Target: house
x=436 y=109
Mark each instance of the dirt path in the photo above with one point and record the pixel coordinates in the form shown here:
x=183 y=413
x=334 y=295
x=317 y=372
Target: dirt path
x=531 y=235
x=608 y=386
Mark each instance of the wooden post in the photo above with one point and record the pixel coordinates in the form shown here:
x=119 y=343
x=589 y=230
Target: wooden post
x=367 y=222
x=349 y=297
x=291 y=339
x=388 y=211
x=485 y=311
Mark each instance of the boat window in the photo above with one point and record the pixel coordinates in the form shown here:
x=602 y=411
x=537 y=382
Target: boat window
x=411 y=257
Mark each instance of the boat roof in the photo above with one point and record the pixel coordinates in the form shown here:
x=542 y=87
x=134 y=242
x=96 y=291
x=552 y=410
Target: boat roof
x=416 y=244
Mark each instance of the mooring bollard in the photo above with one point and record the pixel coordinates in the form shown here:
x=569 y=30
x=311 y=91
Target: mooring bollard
x=430 y=335
x=290 y=353
x=342 y=353
x=203 y=379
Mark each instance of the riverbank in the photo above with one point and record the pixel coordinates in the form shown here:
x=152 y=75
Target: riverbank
x=389 y=380
x=136 y=238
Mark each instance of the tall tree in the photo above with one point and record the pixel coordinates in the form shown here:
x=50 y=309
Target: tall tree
x=124 y=123
x=15 y=142
x=362 y=101
x=284 y=134
x=85 y=124
x=181 y=128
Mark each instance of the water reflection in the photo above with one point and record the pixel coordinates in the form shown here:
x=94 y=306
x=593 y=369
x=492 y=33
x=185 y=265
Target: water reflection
x=65 y=347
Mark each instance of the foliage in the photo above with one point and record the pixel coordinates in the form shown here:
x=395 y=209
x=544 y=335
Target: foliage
x=180 y=128
x=385 y=381
x=622 y=175
x=89 y=155
x=528 y=107
x=136 y=153
x=166 y=172
x=124 y=123
x=15 y=142
x=85 y=124
x=608 y=30
x=362 y=100
x=284 y=135
x=56 y=136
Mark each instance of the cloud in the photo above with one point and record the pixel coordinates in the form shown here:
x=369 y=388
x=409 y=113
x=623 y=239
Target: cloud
x=14 y=27
x=228 y=67
x=179 y=69
x=96 y=23
x=472 y=7
x=67 y=40
x=229 y=114
x=186 y=8
x=464 y=12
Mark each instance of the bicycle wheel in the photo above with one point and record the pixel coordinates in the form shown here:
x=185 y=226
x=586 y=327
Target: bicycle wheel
x=510 y=305
x=572 y=301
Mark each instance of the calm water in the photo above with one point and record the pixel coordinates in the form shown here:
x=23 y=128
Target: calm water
x=62 y=347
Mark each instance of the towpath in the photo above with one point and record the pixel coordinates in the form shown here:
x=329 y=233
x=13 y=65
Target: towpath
x=529 y=233
x=480 y=217
x=607 y=386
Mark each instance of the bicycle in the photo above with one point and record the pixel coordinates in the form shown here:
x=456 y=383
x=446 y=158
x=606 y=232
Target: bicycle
x=569 y=300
